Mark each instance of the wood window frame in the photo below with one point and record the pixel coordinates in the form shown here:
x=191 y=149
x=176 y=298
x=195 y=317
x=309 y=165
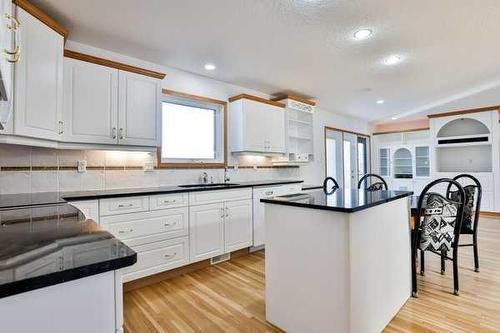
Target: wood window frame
x=183 y=165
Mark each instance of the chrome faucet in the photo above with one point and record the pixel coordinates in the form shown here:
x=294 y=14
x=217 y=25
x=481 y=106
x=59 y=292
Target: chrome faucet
x=204 y=178
x=226 y=176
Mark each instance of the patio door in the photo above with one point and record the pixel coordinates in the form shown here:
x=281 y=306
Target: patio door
x=347 y=156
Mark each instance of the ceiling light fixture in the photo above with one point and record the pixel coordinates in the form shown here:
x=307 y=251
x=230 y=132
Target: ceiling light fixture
x=393 y=59
x=210 y=67
x=394 y=118
x=362 y=34
x=380 y=101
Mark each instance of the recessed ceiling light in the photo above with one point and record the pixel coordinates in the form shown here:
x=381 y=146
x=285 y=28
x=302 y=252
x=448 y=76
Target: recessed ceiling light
x=362 y=34
x=210 y=67
x=394 y=118
x=393 y=59
x=380 y=101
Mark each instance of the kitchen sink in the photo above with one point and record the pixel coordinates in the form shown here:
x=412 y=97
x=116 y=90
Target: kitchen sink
x=209 y=185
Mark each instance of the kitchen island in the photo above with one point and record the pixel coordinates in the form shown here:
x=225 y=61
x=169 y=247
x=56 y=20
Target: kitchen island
x=338 y=262
x=59 y=272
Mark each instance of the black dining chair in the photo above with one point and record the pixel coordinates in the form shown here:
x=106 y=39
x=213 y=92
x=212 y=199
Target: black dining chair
x=437 y=228
x=326 y=183
x=378 y=185
x=472 y=207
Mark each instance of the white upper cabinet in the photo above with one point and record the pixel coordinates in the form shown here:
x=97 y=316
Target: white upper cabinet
x=139 y=109
x=38 y=80
x=257 y=125
x=90 y=102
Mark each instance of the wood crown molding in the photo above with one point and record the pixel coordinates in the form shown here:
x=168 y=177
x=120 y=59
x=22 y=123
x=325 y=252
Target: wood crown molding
x=256 y=99
x=112 y=64
x=455 y=113
x=42 y=17
x=295 y=98
x=402 y=131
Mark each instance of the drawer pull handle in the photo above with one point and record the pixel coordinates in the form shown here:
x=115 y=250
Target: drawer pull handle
x=168 y=201
x=125 y=231
x=269 y=193
x=125 y=206
x=168 y=256
x=170 y=224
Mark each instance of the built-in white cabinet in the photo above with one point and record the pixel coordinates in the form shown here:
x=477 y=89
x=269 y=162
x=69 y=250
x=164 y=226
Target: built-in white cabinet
x=90 y=102
x=257 y=126
x=206 y=231
x=219 y=222
x=237 y=225
x=259 y=225
x=139 y=110
x=8 y=27
x=104 y=105
x=38 y=80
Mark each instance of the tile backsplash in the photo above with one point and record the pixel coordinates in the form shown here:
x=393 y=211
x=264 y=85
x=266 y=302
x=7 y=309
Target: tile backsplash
x=31 y=169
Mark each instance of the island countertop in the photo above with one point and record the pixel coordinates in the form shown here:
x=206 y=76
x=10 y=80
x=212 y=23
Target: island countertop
x=42 y=246
x=342 y=200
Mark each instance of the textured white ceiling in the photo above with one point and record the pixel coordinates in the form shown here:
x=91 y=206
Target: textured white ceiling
x=305 y=47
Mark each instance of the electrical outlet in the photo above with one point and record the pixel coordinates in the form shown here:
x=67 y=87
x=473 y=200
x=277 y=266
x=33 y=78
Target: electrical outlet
x=82 y=166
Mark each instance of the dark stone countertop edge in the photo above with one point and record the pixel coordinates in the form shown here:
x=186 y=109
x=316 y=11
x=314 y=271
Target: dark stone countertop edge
x=52 y=279
x=120 y=193
x=336 y=209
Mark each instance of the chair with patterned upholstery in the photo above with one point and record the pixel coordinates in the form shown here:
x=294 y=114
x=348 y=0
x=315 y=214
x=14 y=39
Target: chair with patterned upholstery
x=378 y=185
x=437 y=228
x=470 y=221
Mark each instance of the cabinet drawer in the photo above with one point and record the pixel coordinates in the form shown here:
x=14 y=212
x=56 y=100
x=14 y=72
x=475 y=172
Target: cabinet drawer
x=201 y=198
x=116 y=206
x=147 y=227
x=168 y=201
x=266 y=192
x=158 y=257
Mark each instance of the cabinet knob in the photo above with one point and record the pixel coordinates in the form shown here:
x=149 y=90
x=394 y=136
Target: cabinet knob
x=168 y=256
x=61 y=127
x=125 y=206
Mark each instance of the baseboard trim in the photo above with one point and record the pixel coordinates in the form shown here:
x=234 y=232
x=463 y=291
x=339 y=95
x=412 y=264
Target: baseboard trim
x=156 y=278
x=490 y=214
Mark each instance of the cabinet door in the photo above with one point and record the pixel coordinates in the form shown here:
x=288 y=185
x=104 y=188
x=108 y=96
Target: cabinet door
x=38 y=80
x=253 y=126
x=274 y=125
x=238 y=225
x=89 y=208
x=206 y=231
x=6 y=68
x=139 y=109
x=90 y=102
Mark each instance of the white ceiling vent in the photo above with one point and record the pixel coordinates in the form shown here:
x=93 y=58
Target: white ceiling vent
x=292 y=104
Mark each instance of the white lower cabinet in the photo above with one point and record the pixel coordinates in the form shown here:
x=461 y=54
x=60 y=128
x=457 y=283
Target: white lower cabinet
x=172 y=230
x=237 y=225
x=157 y=257
x=206 y=231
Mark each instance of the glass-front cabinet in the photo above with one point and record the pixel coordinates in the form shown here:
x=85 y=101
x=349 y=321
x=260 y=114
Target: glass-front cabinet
x=422 y=161
x=403 y=163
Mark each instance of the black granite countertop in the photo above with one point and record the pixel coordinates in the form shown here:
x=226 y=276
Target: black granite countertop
x=42 y=246
x=127 y=192
x=346 y=201
x=34 y=199
x=306 y=187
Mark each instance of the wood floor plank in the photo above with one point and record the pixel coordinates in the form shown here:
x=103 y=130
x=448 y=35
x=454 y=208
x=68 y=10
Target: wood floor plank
x=229 y=297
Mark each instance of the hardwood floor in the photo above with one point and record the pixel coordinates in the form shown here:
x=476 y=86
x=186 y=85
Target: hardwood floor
x=229 y=297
